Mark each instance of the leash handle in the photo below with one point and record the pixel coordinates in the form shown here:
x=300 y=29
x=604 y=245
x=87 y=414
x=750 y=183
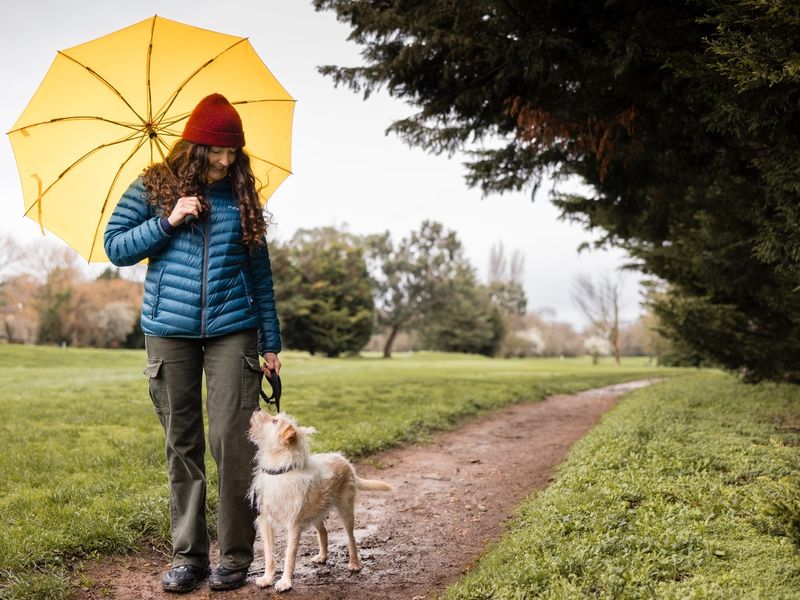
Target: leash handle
x=274 y=381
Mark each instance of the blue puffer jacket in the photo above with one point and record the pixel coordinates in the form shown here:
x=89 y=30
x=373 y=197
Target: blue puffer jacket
x=202 y=281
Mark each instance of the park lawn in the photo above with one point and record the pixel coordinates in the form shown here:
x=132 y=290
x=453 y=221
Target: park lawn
x=687 y=489
x=81 y=452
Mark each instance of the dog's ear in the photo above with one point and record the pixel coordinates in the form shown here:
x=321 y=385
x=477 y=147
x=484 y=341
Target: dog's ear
x=288 y=435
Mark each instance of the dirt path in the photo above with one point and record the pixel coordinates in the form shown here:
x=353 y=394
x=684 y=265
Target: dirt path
x=451 y=498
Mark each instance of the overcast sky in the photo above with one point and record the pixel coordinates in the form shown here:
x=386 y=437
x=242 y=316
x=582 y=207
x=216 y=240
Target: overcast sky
x=346 y=171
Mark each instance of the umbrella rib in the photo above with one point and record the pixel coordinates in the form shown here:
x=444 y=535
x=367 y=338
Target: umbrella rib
x=168 y=104
x=269 y=162
x=133 y=126
x=163 y=125
x=182 y=116
x=104 y=81
x=292 y=100
x=80 y=160
x=110 y=189
x=162 y=147
x=149 y=56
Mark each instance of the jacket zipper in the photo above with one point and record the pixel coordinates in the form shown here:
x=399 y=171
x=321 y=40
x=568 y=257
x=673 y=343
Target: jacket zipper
x=204 y=284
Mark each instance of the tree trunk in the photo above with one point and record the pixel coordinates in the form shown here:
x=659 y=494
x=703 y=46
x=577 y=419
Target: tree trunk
x=615 y=325
x=387 y=348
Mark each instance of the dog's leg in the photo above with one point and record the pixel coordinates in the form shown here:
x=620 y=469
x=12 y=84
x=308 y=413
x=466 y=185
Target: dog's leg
x=285 y=581
x=346 y=509
x=322 y=536
x=268 y=539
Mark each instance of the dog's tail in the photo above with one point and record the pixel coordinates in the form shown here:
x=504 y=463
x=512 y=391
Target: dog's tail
x=373 y=484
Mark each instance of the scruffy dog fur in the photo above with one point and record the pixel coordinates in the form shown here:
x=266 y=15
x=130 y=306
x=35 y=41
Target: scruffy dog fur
x=298 y=489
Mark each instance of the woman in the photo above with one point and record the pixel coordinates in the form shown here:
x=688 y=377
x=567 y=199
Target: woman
x=208 y=306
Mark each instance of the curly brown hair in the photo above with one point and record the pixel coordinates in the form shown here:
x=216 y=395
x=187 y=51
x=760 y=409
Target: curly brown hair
x=184 y=172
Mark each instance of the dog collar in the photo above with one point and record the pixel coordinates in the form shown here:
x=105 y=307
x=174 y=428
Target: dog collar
x=280 y=471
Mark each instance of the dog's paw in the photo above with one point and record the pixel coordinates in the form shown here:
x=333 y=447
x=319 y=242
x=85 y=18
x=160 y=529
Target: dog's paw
x=283 y=585
x=264 y=581
x=320 y=559
x=354 y=567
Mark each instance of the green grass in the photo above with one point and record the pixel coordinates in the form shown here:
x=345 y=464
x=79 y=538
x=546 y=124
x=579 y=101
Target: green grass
x=81 y=452
x=688 y=489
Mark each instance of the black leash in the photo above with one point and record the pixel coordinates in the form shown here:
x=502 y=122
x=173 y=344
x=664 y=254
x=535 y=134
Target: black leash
x=274 y=381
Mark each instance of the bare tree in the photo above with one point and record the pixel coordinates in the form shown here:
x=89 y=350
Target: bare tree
x=502 y=269
x=497 y=263
x=10 y=254
x=516 y=266
x=600 y=304
x=44 y=256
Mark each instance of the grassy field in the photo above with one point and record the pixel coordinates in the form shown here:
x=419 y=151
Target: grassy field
x=81 y=451
x=688 y=489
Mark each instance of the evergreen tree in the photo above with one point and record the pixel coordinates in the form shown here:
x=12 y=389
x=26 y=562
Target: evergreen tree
x=681 y=116
x=323 y=291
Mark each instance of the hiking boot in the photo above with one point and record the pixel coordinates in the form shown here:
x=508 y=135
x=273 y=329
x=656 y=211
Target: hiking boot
x=183 y=578
x=227 y=579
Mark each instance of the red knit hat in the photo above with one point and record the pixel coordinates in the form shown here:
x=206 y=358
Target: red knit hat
x=214 y=122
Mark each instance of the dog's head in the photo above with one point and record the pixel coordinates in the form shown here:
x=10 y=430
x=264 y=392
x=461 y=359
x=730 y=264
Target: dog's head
x=279 y=433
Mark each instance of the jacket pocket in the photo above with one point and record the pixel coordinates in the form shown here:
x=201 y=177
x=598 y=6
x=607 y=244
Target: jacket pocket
x=251 y=381
x=248 y=294
x=157 y=296
x=157 y=385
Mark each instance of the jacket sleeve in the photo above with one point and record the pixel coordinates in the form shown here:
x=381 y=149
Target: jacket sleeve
x=269 y=332
x=133 y=233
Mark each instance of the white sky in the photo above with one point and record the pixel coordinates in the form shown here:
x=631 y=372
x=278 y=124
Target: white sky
x=345 y=169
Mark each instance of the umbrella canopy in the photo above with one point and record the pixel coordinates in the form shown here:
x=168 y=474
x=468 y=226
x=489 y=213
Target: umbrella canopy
x=109 y=107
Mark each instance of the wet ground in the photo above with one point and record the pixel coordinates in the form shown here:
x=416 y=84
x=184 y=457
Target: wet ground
x=452 y=496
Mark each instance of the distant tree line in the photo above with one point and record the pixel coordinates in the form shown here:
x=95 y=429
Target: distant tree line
x=333 y=289
x=337 y=294
x=682 y=117
x=46 y=298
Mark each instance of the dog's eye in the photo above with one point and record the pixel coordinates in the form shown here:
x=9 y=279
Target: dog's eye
x=274 y=421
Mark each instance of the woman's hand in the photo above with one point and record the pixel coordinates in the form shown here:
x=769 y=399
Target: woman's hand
x=188 y=205
x=271 y=363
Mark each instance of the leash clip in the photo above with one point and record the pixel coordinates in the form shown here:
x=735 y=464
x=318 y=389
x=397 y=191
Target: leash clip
x=274 y=399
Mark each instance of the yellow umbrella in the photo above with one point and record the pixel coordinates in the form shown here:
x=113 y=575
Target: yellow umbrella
x=109 y=107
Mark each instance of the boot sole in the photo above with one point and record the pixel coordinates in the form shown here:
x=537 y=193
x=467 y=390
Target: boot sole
x=221 y=587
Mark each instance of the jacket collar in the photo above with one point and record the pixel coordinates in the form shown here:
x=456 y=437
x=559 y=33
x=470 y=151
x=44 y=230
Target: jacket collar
x=220 y=186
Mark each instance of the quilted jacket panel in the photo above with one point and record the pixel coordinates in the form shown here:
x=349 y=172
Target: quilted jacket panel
x=201 y=281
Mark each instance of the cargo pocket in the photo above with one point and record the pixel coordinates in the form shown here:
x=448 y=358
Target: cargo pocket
x=251 y=381
x=158 y=387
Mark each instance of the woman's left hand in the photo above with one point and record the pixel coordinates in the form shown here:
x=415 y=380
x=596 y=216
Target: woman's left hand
x=271 y=363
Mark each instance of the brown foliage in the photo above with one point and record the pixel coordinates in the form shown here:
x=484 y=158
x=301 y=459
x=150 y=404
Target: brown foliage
x=97 y=312
x=599 y=136
x=19 y=318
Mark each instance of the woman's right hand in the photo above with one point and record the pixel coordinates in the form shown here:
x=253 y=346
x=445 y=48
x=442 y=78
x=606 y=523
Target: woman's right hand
x=188 y=205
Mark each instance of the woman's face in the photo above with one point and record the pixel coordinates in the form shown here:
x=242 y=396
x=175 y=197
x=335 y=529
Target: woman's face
x=219 y=160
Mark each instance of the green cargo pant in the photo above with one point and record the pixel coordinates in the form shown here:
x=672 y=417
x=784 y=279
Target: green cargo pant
x=175 y=367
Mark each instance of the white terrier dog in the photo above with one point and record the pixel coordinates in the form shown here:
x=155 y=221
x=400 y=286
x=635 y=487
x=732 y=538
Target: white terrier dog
x=298 y=489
